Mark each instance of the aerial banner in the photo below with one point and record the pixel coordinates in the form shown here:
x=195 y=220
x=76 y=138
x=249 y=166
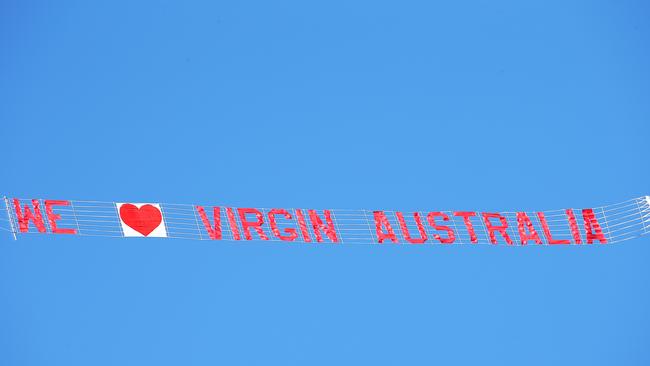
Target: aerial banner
x=596 y=225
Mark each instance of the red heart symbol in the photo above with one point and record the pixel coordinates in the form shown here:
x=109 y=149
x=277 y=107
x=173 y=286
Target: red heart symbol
x=143 y=220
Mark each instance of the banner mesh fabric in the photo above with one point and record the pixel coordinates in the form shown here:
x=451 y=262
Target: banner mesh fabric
x=597 y=225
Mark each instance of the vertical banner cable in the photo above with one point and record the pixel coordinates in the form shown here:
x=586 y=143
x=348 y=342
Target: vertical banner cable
x=11 y=221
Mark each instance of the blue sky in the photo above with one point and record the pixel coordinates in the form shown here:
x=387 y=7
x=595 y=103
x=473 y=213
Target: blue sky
x=484 y=105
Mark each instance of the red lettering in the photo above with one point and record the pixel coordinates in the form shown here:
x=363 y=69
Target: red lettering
x=574 y=226
x=382 y=221
x=257 y=224
x=500 y=228
x=547 y=231
x=523 y=224
x=317 y=224
x=213 y=232
x=431 y=217
x=274 y=225
x=24 y=219
x=405 y=230
x=592 y=224
x=233 y=224
x=468 y=224
x=52 y=218
x=303 y=226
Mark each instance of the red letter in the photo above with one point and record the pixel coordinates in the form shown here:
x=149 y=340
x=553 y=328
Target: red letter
x=523 y=223
x=381 y=220
x=303 y=226
x=233 y=224
x=36 y=218
x=215 y=233
x=574 y=226
x=547 y=231
x=274 y=225
x=501 y=229
x=52 y=217
x=317 y=224
x=591 y=222
x=405 y=230
x=246 y=225
x=431 y=217
x=468 y=224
